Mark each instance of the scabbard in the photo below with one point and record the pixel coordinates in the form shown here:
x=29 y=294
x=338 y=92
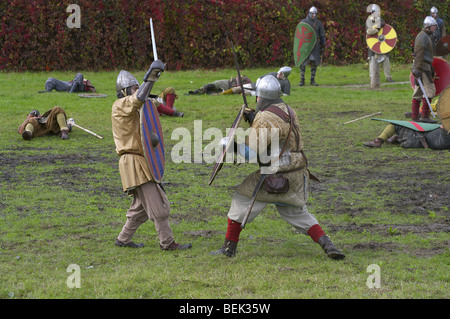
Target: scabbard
x=262 y=178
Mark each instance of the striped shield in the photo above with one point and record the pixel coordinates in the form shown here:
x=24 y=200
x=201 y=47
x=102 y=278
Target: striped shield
x=152 y=140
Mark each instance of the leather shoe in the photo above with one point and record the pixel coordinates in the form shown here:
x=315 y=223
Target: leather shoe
x=176 y=246
x=130 y=244
x=375 y=143
x=27 y=135
x=64 y=134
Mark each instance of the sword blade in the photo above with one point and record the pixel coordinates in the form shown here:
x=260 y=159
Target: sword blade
x=155 y=55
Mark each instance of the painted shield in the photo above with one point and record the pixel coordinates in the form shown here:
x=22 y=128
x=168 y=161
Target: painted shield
x=152 y=140
x=442 y=47
x=383 y=41
x=443 y=108
x=220 y=159
x=442 y=77
x=416 y=126
x=305 y=39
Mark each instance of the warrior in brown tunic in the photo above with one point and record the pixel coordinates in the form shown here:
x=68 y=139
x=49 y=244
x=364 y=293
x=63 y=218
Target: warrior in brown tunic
x=275 y=123
x=54 y=121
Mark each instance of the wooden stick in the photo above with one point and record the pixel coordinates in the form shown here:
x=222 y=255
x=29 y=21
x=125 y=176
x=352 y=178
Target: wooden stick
x=362 y=117
x=86 y=130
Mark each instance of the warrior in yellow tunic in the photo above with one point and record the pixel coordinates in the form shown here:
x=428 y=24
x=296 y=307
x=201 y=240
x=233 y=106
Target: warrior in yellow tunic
x=149 y=199
x=275 y=123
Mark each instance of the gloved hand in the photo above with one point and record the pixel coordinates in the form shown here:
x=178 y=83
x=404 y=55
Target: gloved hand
x=249 y=115
x=417 y=75
x=154 y=71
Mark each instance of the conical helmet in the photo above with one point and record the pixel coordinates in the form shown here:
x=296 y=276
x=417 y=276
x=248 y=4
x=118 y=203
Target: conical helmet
x=125 y=79
x=268 y=88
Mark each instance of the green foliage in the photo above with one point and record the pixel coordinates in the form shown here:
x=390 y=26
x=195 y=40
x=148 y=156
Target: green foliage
x=192 y=34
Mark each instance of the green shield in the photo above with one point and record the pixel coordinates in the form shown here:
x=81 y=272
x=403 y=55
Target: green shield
x=416 y=126
x=305 y=39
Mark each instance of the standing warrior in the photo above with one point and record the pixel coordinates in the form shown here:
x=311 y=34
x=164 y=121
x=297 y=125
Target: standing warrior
x=440 y=30
x=274 y=116
x=422 y=70
x=314 y=57
x=373 y=25
x=149 y=199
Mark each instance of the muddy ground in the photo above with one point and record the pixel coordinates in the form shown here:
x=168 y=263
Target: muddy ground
x=397 y=191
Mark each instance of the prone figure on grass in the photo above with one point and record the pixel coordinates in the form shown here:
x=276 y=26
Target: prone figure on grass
x=54 y=121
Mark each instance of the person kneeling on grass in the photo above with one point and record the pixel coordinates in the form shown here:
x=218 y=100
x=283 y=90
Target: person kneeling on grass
x=54 y=121
x=164 y=103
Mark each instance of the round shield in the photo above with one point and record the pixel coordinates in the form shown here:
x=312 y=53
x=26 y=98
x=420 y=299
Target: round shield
x=383 y=41
x=304 y=41
x=92 y=95
x=442 y=47
x=442 y=75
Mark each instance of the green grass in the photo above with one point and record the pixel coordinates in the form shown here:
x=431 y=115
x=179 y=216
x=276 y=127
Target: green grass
x=61 y=202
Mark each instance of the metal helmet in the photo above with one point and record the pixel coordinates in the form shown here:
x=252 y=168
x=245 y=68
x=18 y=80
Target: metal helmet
x=373 y=8
x=285 y=70
x=35 y=113
x=312 y=13
x=268 y=88
x=429 y=21
x=434 y=10
x=125 y=79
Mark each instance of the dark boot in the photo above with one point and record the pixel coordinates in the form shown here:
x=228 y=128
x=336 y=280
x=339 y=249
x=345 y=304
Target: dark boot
x=177 y=246
x=228 y=249
x=64 y=134
x=329 y=249
x=130 y=244
x=178 y=114
x=375 y=143
x=313 y=73
x=27 y=135
x=302 y=76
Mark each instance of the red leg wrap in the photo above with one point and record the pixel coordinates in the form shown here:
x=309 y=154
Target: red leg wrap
x=233 y=230
x=315 y=232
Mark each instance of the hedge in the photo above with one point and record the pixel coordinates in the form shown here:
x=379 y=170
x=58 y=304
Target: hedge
x=34 y=35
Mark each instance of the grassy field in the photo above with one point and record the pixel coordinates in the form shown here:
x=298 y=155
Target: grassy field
x=61 y=202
